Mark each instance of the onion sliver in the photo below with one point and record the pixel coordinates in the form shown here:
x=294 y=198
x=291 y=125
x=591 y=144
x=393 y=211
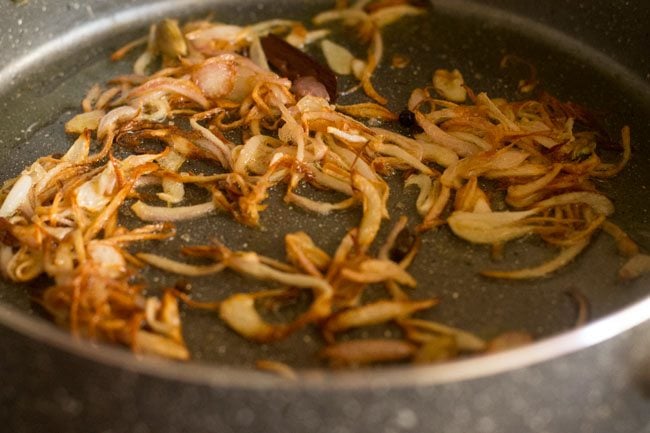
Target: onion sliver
x=18 y=195
x=180 y=268
x=598 y=202
x=543 y=270
x=161 y=214
x=635 y=267
x=490 y=228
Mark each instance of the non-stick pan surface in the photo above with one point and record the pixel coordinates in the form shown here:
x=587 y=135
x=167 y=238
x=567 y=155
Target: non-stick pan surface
x=41 y=87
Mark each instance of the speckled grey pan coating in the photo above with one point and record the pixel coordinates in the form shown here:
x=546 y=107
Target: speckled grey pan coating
x=51 y=52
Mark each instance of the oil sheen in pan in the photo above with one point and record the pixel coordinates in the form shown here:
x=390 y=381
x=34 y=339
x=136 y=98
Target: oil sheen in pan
x=451 y=36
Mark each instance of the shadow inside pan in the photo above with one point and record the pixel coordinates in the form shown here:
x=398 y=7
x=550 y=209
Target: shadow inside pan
x=35 y=107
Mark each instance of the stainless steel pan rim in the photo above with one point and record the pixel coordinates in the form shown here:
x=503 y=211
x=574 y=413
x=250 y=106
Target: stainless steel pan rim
x=399 y=376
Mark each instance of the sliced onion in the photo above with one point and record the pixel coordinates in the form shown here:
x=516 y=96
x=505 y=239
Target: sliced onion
x=450 y=84
x=372 y=211
x=377 y=271
x=426 y=198
x=148 y=343
x=319 y=207
x=161 y=214
x=239 y=313
x=110 y=121
x=18 y=195
x=180 y=268
x=84 y=121
x=368 y=110
x=598 y=202
x=373 y=314
x=257 y=54
x=440 y=137
x=635 y=267
x=95 y=194
x=78 y=152
x=110 y=260
x=490 y=228
x=390 y=14
x=360 y=352
x=562 y=259
x=402 y=155
x=338 y=58
x=178 y=86
x=346 y=136
x=464 y=340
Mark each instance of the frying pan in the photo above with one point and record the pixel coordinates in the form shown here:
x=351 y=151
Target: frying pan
x=592 y=379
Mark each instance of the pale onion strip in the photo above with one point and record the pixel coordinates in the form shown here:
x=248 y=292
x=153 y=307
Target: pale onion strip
x=151 y=308
x=417 y=97
x=250 y=264
x=78 y=152
x=257 y=54
x=81 y=122
x=216 y=146
x=598 y=202
x=368 y=110
x=375 y=54
x=378 y=271
x=344 y=14
x=524 y=170
x=18 y=195
x=438 y=206
x=390 y=14
x=635 y=267
x=224 y=32
x=490 y=228
x=267 y=26
x=472 y=138
x=374 y=314
x=450 y=85
x=160 y=214
x=278 y=368
x=295 y=132
x=410 y=145
x=338 y=58
x=328 y=181
x=200 y=178
x=360 y=352
x=465 y=340
x=372 y=211
x=182 y=87
x=400 y=225
x=430 y=151
x=107 y=212
x=319 y=207
x=520 y=191
x=440 y=137
x=251 y=150
x=626 y=246
x=562 y=259
x=148 y=343
x=483 y=99
x=438 y=154
x=109 y=122
x=354 y=162
x=180 y=268
x=174 y=191
x=402 y=155
x=426 y=196
x=142 y=63
x=305 y=255
x=346 y=136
